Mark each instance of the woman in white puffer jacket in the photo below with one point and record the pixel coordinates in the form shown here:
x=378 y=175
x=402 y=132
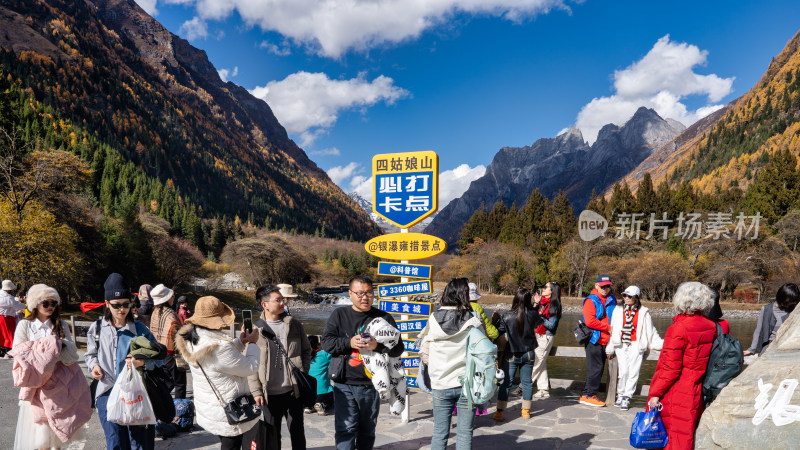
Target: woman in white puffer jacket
x=632 y=335
x=203 y=343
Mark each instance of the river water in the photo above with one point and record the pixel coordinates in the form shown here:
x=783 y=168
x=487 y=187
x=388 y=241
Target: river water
x=314 y=320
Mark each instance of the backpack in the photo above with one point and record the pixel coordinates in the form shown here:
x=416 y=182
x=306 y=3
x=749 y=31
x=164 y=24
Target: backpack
x=479 y=382
x=724 y=363
x=184 y=414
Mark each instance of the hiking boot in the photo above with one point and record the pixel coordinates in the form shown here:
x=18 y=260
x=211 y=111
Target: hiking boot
x=498 y=415
x=624 y=403
x=618 y=402
x=591 y=401
x=541 y=394
x=526 y=414
x=320 y=408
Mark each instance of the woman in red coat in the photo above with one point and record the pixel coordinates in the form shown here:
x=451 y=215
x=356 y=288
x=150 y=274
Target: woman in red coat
x=678 y=380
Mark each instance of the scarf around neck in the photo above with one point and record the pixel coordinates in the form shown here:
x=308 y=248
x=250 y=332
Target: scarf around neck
x=627 y=328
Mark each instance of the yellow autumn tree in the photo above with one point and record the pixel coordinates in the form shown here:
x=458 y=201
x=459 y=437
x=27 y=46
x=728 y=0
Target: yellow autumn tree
x=38 y=249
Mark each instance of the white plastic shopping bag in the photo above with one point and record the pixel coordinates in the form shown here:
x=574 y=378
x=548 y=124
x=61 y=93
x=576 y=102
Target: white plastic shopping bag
x=128 y=403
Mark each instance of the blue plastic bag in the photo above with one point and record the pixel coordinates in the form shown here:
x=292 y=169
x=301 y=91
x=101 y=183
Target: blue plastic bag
x=647 y=430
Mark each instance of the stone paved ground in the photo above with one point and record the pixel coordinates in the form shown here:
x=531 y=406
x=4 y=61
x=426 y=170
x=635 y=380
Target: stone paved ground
x=557 y=423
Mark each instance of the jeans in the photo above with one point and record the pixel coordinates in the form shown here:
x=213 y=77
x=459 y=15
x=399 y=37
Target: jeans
x=119 y=437
x=595 y=363
x=443 y=402
x=524 y=363
x=356 y=410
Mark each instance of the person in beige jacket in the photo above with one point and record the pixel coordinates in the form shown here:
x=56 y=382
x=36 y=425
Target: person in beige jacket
x=274 y=387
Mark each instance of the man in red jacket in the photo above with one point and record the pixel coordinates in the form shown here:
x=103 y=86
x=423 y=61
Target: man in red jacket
x=597 y=309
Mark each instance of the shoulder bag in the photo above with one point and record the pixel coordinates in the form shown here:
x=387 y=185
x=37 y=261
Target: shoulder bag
x=305 y=382
x=241 y=409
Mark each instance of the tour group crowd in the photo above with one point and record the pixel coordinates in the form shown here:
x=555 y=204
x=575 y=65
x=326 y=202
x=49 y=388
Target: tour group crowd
x=243 y=387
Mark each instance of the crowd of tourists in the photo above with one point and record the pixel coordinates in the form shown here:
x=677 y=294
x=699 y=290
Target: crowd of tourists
x=244 y=386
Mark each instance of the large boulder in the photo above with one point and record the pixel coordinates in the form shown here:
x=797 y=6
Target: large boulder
x=729 y=421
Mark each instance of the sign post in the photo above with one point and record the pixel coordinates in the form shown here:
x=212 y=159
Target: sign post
x=405 y=190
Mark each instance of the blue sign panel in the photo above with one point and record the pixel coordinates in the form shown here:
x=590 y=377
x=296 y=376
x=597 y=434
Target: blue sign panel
x=411 y=326
x=411 y=363
x=403 y=289
x=405 y=186
x=411 y=381
x=404 y=270
x=410 y=346
x=410 y=308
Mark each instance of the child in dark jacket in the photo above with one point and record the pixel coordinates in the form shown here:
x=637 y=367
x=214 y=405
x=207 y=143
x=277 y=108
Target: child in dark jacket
x=319 y=370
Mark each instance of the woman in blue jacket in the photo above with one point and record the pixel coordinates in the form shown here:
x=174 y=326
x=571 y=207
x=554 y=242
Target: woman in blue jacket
x=106 y=355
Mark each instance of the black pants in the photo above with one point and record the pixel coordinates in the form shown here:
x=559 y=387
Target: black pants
x=232 y=443
x=178 y=376
x=277 y=407
x=325 y=399
x=595 y=362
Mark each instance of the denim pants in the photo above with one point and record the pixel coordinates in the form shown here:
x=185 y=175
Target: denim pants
x=443 y=402
x=356 y=410
x=522 y=362
x=119 y=437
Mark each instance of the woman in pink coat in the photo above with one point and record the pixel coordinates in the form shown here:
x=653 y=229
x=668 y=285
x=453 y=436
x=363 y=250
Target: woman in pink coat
x=44 y=305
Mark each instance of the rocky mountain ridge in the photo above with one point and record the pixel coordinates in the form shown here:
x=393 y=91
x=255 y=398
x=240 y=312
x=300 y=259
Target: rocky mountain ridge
x=566 y=162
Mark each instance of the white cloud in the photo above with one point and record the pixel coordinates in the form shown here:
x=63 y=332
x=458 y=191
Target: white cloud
x=194 y=29
x=149 y=6
x=309 y=104
x=452 y=183
x=340 y=173
x=226 y=74
x=282 y=50
x=333 y=151
x=332 y=27
x=661 y=80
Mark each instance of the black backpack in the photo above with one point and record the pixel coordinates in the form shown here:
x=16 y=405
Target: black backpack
x=724 y=363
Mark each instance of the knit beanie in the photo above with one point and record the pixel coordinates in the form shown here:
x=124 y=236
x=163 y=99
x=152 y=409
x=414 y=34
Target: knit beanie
x=115 y=287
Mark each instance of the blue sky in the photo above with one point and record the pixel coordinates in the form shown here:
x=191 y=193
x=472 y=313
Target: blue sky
x=349 y=79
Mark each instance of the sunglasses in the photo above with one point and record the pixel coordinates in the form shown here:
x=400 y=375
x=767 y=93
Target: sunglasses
x=120 y=305
x=49 y=304
x=626 y=296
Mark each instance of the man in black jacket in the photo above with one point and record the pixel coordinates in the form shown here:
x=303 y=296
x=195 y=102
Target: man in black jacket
x=356 y=402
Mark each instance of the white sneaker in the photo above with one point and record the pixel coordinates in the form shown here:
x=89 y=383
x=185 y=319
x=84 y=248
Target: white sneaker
x=625 y=403
x=618 y=402
x=320 y=408
x=541 y=394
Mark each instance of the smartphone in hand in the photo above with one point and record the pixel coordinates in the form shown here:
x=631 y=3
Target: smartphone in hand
x=247 y=319
x=365 y=336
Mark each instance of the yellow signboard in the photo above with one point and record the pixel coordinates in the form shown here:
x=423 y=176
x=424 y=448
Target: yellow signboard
x=405 y=186
x=405 y=246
